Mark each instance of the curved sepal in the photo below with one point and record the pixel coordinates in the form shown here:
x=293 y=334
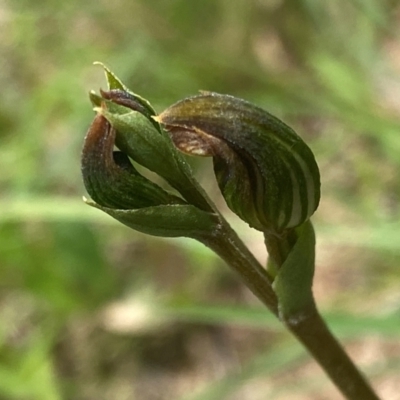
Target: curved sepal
x=110 y=178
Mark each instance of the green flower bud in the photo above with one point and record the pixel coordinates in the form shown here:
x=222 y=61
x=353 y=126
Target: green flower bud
x=141 y=138
x=124 y=120
x=266 y=173
x=120 y=191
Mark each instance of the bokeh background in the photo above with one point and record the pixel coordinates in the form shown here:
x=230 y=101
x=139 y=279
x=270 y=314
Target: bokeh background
x=91 y=310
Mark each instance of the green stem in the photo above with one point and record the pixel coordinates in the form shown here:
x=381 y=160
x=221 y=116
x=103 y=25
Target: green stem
x=226 y=243
x=308 y=326
x=311 y=330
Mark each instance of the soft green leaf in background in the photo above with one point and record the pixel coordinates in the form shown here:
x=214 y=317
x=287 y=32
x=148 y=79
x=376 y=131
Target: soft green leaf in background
x=329 y=69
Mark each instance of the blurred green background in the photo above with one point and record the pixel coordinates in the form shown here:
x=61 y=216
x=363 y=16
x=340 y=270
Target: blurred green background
x=91 y=310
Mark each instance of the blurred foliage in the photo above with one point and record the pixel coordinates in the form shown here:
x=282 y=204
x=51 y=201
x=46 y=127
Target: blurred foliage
x=91 y=310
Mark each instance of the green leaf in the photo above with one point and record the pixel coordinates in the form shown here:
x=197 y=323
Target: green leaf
x=95 y=99
x=293 y=282
x=137 y=137
x=166 y=220
x=113 y=81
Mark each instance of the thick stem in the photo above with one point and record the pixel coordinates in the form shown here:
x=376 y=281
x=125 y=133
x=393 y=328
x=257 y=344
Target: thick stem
x=308 y=327
x=311 y=330
x=226 y=243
